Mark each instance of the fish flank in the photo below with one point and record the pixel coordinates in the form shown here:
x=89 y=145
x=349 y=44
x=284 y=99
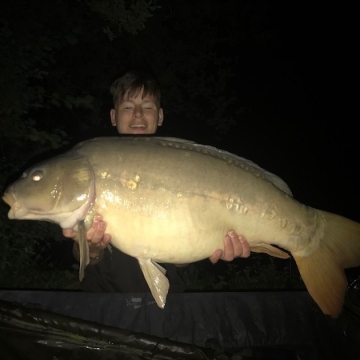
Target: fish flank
x=171 y=200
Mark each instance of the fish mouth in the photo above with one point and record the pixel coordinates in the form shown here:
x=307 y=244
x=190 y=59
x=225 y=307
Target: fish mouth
x=9 y=199
x=16 y=211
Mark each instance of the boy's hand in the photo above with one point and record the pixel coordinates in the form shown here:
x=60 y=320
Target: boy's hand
x=95 y=236
x=234 y=246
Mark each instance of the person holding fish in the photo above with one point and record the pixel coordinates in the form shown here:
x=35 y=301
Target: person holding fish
x=156 y=216
x=137 y=111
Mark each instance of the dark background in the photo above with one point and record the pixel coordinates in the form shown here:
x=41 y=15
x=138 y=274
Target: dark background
x=269 y=81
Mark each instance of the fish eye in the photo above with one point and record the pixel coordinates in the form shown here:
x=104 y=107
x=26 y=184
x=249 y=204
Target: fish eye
x=37 y=175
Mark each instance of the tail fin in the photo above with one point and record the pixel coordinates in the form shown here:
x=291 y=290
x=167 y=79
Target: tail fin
x=323 y=270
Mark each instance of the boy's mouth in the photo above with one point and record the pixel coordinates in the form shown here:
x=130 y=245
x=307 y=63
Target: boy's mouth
x=138 y=128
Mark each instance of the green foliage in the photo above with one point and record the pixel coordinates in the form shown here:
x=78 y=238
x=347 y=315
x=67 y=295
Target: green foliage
x=56 y=66
x=35 y=37
x=123 y=15
x=40 y=93
x=70 y=101
x=25 y=260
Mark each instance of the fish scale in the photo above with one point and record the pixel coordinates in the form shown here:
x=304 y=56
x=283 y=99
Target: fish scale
x=171 y=200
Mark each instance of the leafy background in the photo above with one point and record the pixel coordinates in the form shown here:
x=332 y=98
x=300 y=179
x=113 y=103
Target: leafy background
x=269 y=81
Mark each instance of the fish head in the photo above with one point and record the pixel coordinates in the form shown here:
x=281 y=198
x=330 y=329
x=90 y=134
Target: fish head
x=60 y=190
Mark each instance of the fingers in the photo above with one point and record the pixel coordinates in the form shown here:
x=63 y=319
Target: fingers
x=230 y=243
x=239 y=247
x=215 y=257
x=70 y=233
x=234 y=246
x=245 y=247
x=96 y=236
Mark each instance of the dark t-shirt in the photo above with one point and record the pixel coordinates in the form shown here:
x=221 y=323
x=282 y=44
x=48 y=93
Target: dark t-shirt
x=118 y=272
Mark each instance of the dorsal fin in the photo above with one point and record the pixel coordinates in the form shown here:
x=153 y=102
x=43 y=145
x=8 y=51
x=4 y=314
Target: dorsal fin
x=225 y=155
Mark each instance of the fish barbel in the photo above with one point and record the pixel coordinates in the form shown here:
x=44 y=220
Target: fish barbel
x=168 y=200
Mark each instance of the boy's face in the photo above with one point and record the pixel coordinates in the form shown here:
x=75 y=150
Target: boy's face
x=137 y=115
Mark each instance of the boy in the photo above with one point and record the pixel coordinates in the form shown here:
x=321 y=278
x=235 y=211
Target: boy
x=137 y=110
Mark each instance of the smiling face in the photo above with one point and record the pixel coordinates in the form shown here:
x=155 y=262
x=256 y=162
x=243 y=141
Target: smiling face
x=137 y=114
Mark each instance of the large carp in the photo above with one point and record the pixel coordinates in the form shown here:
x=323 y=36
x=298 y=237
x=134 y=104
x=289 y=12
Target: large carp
x=171 y=200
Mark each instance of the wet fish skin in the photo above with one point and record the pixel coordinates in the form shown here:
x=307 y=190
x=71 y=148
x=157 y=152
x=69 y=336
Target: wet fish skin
x=171 y=200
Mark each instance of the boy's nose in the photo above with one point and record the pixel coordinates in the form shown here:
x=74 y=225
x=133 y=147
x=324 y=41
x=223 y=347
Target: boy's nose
x=138 y=111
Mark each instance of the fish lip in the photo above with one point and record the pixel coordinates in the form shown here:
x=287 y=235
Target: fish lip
x=16 y=211
x=9 y=199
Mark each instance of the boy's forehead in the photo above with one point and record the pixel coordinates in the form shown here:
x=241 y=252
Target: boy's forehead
x=138 y=94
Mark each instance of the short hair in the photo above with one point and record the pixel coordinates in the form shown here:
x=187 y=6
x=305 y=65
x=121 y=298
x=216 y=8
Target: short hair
x=132 y=82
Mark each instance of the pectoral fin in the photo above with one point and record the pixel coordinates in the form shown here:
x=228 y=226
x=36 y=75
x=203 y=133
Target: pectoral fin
x=155 y=277
x=83 y=249
x=271 y=250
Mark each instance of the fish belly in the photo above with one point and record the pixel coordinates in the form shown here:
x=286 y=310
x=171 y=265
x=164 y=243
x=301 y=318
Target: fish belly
x=168 y=229
x=177 y=204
